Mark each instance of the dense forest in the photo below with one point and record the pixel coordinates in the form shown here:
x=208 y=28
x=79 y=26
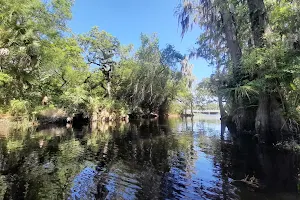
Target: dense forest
x=46 y=70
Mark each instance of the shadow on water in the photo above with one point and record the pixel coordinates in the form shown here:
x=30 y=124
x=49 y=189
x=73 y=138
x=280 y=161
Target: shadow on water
x=159 y=159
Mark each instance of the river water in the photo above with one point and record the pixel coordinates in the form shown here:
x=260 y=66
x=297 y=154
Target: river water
x=159 y=159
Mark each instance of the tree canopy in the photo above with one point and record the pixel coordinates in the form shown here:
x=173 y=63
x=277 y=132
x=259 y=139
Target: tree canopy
x=41 y=58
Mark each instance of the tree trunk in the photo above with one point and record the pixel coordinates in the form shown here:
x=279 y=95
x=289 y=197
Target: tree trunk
x=235 y=52
x=278 y=127
x=223 y=128
x=192 y=121
x=221 y=107
x=269 y=122
x=192 y=109
x=257 y=12
x=233 y=45
x=108 y=88
x=219 y=85
x=163 y=108
x=262 y=116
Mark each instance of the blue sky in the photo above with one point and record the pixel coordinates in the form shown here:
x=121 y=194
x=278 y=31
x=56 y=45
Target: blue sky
x=128 y=19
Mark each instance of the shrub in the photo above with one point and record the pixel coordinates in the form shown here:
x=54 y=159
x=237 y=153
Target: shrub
x=49 y=112
x=175 y=108
x=18 y=108
x=110 y=105
x=120 y=108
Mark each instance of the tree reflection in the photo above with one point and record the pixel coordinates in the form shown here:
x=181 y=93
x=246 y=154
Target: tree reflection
x=39 y=164
x=241 y=156
x=144 y=159
x=147 y=152
x=3 y=187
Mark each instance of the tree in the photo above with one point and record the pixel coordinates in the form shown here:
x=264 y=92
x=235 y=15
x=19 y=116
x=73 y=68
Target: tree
x=170 y=57
x=24 y=28
x=149 y=81
x=245 y=41
x=63 y=67
x=219 y=40
x=100 y=48
x=218 y=20
x=146 y=85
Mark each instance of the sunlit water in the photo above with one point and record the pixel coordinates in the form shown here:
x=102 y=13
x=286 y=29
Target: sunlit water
x=173 y=159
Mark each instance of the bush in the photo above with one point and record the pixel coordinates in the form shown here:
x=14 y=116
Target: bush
x=175 y=108
x=18 y=108
x=120 y=108
x=75 y=99
x=110 y=105
x=2 y=110
x=50 y=111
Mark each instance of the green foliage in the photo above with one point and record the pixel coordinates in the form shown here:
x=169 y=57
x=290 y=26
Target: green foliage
x=170 y=57
x=18 y=108
x=14 y=145
x=78 y=73
x=63 y=66
x=244 y=91
x=146 y=82
x=74 y=99
x=4 y=78
x=206 y=94
x=24 y=32
x=98 y=44
x=48 y=112
x=176 y=108
x=211 y=106
x=288 y=145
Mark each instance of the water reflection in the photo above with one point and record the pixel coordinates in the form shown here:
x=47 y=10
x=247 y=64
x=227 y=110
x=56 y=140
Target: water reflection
x=161 y=159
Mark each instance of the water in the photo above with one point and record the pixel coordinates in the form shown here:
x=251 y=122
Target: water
x=173 y=159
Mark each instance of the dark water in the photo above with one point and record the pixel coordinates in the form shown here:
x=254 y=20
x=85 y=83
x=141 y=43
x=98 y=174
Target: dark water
x=174 y=159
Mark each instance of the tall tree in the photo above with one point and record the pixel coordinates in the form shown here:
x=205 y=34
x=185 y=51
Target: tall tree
x=100 y=48
x=217 y=19
x=255 y=37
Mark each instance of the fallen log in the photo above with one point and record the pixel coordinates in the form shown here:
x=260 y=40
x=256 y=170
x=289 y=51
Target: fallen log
x=252 y=182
